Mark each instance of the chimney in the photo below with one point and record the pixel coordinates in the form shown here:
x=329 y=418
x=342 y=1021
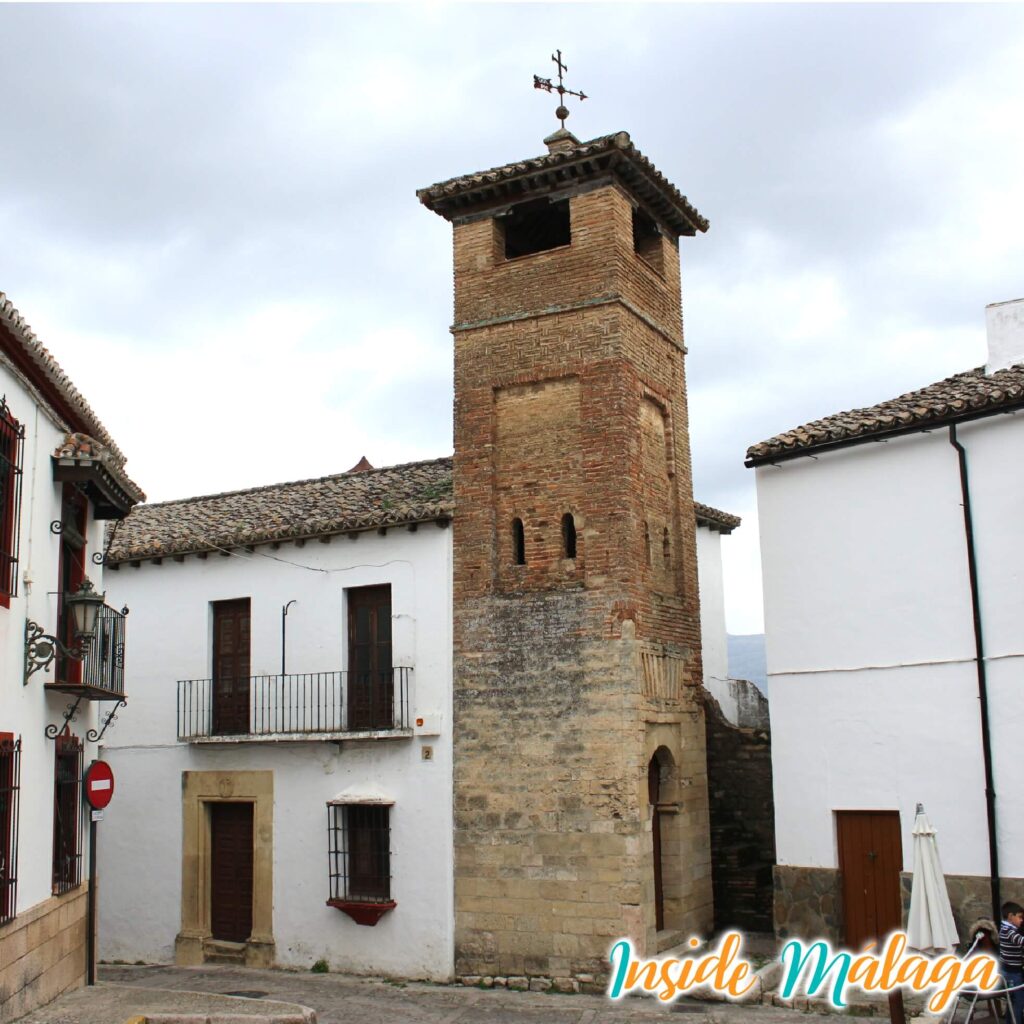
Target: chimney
x=1005 y=326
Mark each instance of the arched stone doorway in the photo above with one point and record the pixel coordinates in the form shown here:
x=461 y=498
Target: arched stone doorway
x=663 y=802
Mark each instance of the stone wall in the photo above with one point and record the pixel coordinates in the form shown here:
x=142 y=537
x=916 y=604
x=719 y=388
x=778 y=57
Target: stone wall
x=808 y=903
x=42 y=954
x=970 y=897
x=742 y=821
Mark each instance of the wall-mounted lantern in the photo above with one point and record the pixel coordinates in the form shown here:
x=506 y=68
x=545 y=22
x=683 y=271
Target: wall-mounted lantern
x=41 y=648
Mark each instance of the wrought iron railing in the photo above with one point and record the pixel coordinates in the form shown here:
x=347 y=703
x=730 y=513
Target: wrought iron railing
x=296 y=704
x=103 y=668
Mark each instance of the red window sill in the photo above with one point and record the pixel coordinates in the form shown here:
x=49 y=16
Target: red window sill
x=362 y=912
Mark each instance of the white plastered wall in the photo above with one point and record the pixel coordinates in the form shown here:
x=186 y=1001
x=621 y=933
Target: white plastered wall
x=713 y=639
x=870 y=641
x=169 y=639
x=25 y=711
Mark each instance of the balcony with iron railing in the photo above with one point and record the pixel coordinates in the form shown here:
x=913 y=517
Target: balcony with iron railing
x=99 y=675
x=307 y=705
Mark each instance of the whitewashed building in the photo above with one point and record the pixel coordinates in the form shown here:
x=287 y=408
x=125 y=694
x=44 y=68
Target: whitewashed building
x=61 y=477
x=294 y=798
x=893 y=569
x=288 y=766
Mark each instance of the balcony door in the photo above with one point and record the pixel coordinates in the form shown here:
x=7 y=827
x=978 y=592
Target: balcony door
x=371 y=695
x=231 y=667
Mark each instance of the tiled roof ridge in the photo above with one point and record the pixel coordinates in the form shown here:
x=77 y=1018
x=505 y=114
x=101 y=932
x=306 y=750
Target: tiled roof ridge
x=615 y=140
x=716 y=515
x=961 y=395
x=364 y=473
x=42 y=357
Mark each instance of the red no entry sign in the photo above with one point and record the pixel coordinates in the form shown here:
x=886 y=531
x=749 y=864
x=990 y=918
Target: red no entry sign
x=99 y=784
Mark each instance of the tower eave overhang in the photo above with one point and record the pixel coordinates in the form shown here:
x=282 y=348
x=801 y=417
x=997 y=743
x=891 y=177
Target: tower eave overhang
x=609 y=158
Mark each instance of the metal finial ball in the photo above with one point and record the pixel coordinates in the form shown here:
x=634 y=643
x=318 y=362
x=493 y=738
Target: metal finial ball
x=562 y=113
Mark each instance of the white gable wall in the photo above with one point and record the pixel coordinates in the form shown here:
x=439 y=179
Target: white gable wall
x=713 y=639
x=870 y=641
x=169 y=637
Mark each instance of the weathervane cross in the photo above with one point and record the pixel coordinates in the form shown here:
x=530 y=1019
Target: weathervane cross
x=548 y=86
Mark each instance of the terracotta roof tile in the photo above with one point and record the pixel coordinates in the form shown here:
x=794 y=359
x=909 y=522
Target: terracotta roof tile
x=962 y=396
x=358 y=500
x=714 y=518
x=83 y=450
x=516 y=180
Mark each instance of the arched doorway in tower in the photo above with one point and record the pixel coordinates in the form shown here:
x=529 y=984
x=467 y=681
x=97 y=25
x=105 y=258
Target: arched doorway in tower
x=654 y=798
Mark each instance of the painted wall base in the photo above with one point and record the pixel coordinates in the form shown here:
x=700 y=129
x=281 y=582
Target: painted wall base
x=42 y=954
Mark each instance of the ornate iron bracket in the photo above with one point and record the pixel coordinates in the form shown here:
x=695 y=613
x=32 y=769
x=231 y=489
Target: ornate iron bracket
x=100 y=557
x=70 y=714
x=41 y=648
x=92 y=735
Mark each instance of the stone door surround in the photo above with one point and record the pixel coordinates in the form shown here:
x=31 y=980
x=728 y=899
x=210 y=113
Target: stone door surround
x=199 y=789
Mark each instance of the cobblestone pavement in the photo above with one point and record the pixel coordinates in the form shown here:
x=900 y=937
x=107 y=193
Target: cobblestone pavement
x=340 y=999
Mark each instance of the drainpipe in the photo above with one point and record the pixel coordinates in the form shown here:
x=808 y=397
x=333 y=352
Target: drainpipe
x=979 y=660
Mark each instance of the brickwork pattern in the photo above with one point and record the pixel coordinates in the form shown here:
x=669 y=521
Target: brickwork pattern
x=42 y=954
x=569 y=673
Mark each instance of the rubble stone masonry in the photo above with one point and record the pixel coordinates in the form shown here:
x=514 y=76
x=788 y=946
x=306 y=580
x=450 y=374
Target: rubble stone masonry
x=571 y=673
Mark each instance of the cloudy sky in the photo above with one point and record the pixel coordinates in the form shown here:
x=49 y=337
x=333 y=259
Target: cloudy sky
x=208 y=214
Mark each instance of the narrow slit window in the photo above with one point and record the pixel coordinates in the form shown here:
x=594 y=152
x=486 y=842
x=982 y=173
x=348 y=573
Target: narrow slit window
x=569 y=535
x=647 y=239
x=518 y=542
x=666 y=548
x=647 y=543
x=536 y=227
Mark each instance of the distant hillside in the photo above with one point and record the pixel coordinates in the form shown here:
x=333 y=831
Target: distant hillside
x=746 y=659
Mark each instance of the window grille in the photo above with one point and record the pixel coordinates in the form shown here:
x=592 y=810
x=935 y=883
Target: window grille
x=12 y=444
x=67 y=814
x=10 y=785
x=360 y=855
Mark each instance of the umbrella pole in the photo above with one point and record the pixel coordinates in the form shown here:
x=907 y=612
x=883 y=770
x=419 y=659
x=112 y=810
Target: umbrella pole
x=896 y=1012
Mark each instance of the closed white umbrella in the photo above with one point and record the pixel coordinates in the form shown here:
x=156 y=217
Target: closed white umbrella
x=930 y=926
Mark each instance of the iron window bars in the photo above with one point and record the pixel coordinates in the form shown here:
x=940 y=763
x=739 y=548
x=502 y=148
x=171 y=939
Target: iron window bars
x=12 y=445
x=67 y=814
x=10 y=787
x=359 y=861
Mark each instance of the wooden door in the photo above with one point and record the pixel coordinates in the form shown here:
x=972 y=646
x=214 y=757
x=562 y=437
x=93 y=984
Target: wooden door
x=870 y=862
x=231 y=871
x=371 y=695
x=231 y=667
x=653 y=797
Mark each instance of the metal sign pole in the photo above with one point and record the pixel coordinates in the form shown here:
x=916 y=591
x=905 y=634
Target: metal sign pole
x=91 y=905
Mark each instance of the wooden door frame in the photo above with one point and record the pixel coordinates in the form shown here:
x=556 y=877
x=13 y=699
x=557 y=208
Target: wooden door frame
x=848 y=814
x=214 y=694
x=198 y=790
x=212 y=807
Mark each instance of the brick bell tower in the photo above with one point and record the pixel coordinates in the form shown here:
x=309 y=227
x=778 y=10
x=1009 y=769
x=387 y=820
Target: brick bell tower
x=581 y=809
